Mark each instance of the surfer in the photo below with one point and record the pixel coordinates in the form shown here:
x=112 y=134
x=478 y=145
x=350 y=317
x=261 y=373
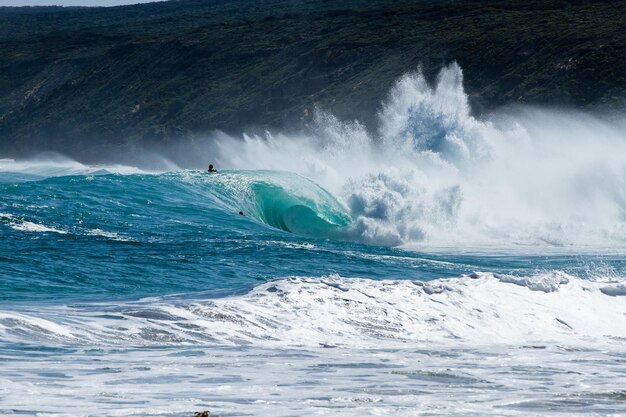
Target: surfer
x=211 y=169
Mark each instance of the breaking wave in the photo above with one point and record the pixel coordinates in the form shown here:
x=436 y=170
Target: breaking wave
x=432 y=176
x=435 y=175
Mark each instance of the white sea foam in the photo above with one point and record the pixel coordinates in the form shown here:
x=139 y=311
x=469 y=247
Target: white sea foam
x=109 y=235
x=27 y=226
x=544 y=344
x=434 y=175
x=20 y=224
x=470 y=310
x=177 y=382
x=52 y=165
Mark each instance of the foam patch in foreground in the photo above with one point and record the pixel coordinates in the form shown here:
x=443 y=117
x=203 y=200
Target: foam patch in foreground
x=332 y=311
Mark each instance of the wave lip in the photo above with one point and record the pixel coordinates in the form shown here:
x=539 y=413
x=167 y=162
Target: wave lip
x=478 y=309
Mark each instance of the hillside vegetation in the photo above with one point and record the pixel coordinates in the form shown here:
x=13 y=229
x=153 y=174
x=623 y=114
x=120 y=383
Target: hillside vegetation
x=87 y=81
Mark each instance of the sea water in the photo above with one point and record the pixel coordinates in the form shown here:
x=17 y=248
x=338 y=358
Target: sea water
x=445 y=265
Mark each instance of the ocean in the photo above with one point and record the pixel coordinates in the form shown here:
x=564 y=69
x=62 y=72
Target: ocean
x=445 y=265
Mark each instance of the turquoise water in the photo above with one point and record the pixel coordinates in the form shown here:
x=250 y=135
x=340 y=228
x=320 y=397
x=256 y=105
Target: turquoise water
x=111 y=236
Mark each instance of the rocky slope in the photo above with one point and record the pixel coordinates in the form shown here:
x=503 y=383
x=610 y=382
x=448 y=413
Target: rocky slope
x=90 y=81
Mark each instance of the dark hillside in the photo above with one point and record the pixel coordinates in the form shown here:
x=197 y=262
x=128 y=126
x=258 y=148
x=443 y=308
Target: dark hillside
x=81 y=80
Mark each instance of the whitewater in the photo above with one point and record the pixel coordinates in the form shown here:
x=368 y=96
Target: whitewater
x=441 y=264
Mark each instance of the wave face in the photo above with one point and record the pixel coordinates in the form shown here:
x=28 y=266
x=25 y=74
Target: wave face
x=282 y=200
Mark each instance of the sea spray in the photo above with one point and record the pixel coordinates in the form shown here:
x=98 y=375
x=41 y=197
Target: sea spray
x=434 y=175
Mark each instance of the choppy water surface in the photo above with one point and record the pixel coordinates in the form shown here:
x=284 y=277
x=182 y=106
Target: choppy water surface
x=448 y=266
x=163 y=300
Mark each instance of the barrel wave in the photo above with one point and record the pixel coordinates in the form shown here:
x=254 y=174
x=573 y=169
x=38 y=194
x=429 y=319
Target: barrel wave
x=282 y=200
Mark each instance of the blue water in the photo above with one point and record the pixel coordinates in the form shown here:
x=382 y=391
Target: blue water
x=131 y=236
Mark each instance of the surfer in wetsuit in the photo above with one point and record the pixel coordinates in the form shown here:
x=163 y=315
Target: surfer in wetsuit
x=211 y=169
